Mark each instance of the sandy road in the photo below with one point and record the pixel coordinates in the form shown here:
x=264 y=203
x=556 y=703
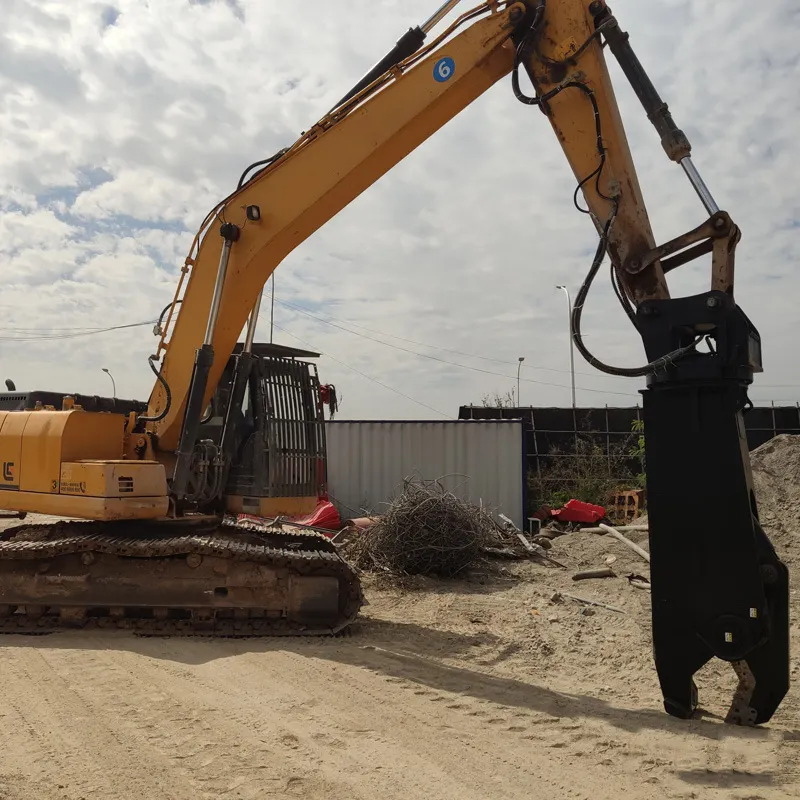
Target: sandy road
x=189 y=719
x=381 y=713
x=465 y=690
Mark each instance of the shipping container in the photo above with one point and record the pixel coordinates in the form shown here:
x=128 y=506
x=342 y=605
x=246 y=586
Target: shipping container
x=481 y=462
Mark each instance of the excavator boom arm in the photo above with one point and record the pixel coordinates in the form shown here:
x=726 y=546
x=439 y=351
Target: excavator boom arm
x=327 y=168
x=371 y=131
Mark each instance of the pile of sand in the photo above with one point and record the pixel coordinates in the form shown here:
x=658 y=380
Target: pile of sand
x=776 y=478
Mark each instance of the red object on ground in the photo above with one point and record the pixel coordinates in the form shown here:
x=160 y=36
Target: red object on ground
x=578 y=511
x=324 y=516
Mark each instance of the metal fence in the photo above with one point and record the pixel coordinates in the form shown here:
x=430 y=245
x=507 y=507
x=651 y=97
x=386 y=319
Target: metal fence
x=551 y=433
x=481 y=462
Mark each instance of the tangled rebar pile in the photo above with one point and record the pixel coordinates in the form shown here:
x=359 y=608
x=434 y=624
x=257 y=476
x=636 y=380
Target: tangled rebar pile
x=426 y=530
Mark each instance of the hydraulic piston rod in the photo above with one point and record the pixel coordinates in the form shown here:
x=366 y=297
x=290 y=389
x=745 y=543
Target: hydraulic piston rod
x=674 y=141
x=699 y=185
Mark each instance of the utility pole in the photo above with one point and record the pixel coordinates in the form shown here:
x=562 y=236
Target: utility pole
x=571 y=343
x=519 y=366
x=272 y=309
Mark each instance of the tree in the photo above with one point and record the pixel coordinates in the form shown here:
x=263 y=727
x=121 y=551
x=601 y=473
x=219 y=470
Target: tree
x=496 y=400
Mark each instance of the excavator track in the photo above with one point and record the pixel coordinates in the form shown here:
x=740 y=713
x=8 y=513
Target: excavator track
x=158 y=580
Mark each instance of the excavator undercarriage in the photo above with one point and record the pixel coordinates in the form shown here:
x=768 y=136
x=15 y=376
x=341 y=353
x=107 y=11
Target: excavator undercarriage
x=224 y=580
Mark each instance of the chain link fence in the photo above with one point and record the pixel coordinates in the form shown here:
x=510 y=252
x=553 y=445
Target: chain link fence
x=589 y=452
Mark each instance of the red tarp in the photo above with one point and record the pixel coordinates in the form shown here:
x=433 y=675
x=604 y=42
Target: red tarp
x=324 y=516
x=578 y=511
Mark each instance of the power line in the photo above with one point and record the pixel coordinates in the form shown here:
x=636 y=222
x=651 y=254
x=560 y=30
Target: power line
x=425 y=344
x=308 y=313
x=455 y=363
x=49 y=328
x=69 y=333
x=74 y=334
x=364 y=375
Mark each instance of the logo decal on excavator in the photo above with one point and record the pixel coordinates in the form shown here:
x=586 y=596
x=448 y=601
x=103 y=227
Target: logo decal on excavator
x=443 y=69
x=8 y=470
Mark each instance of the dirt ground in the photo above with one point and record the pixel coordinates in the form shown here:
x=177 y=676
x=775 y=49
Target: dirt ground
x=480 y=688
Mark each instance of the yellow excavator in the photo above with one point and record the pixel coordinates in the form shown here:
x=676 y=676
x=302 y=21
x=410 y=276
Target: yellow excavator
x=235 y=427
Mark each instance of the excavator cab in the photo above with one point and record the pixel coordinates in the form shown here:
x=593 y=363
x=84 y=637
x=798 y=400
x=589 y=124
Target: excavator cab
x=276 y=434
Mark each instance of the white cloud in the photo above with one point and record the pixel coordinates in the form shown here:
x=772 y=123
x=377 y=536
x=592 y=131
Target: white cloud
x=123 y=122
x=145 y=194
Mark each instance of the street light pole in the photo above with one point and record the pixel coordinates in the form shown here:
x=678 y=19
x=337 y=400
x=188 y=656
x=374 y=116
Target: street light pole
x=519 y=366
x=113 y=383
x=571 y=343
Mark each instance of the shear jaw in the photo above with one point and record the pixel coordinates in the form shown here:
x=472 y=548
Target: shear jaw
x=741 y=712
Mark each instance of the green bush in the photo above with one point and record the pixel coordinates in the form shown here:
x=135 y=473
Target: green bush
x=637 y=451
x=587 y=472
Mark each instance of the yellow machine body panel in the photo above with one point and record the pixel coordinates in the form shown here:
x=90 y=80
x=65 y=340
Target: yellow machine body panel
x=85 y=507
x=49 y=438
x=67 y=463
x=12 y=424
x=119 y=478
x=271 y=506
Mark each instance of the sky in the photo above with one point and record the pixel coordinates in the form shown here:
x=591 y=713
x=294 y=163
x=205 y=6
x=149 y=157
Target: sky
x=122 y=123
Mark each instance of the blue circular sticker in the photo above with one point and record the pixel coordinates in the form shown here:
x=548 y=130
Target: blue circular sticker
x=443 y=69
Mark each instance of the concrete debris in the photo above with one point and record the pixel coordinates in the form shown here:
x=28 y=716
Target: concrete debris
x=603 y=572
